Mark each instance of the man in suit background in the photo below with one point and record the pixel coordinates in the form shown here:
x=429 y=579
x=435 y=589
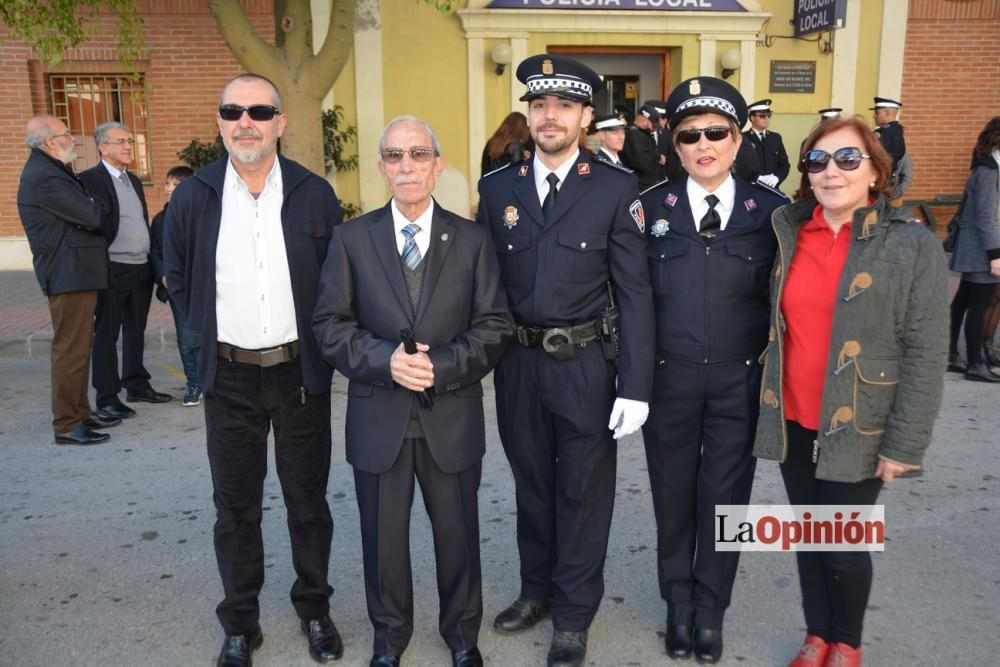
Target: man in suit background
x=124 y=306
x=413 y=265
x=63 y=226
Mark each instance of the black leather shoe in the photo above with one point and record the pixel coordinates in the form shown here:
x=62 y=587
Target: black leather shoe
x=678 y=640
x=955 y=364
x=568 y=649
x=470 y=657
x=237 y=650
x=522 y=614
x=979 y=373
x=115 y=411
x=384 y=661
x=707 y=646
x=324 y=640
x=95 y=420
x=147 y=396
x=81 y=435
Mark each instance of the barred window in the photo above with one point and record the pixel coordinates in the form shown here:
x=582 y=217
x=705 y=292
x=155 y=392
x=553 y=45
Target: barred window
x=84 y=101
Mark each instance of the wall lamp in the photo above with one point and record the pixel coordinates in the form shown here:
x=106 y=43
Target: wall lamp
x=731 y=59
x=501 y=54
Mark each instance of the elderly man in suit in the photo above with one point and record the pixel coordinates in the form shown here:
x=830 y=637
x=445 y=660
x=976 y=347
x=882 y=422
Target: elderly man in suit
x=124 y=306
x=415 y=409
x=63 y=226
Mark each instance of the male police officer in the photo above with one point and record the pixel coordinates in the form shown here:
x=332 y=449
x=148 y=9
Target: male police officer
x=640 y=154
x=611 y=131
x=569 y=232
x=766 y=144
x=888 y=130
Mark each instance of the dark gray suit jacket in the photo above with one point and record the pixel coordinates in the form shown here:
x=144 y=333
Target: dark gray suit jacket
x=97 y=180
x=462 y=315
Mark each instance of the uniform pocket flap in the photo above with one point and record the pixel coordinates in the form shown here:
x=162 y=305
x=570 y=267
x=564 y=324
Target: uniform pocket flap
x=664 y=250
x=741 y=249
x=509 y=245
x=583 y=241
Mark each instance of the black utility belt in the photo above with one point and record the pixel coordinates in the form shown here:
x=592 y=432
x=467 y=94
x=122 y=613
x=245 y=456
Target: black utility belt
x=264 y=358
x=560 y=342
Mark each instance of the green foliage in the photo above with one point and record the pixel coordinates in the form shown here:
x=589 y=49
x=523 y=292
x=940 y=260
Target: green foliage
x=54 y=26
x=197 y=154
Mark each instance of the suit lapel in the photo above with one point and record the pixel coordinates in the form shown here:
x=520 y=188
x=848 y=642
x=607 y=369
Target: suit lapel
x=525 y=191
x=574 y=187
x=682 y=220
x=744 y=210
x=384 y=240
x=442 y=235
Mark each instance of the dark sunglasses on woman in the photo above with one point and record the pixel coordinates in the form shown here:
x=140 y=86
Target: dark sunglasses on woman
x=847 y=159
x=693 y=136
x=257 y=112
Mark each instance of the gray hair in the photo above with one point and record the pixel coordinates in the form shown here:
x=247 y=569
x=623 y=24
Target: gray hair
x=249 y=77
x=37 y=136
x=101 y=131
x=407 y=118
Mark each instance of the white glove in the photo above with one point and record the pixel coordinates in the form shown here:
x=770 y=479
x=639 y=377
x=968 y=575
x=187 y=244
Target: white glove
x=627 y=416
x=769 y=180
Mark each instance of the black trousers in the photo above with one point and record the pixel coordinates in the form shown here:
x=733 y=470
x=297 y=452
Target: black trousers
x=971 y=302
x=699 y=439
x=835 y=584
x=384 y=502
x=121 y=308
x=239 y=412
x=553 y=422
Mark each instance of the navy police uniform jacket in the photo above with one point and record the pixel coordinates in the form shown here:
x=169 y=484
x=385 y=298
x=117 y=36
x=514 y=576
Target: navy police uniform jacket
x=710 y=295
x=556 y=274
x=640 y=155
x=891 y=136
x=770 y=152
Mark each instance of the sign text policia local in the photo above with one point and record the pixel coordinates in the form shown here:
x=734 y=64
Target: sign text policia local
x=819 y=15
x=675 y=5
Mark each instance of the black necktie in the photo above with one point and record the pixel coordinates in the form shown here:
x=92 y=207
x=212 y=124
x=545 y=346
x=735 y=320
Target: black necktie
x=550 y=199
x=710 y=222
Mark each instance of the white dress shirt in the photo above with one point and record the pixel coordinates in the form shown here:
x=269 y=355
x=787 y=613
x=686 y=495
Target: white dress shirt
x=699 y=207
x=254 y=307
x=542 y=172
x=423 y=237
x=614 y=158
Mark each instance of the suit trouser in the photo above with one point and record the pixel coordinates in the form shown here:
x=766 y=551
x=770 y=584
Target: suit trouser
x=122 y=307
x=72 y=338
x=699 y=439
x=553 y=422
x=384 y=502
x=245 y=401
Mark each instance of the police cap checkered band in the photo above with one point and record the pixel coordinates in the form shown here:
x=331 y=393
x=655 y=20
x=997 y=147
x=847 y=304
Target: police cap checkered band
x=712 y=103
x=542 y=85
x=706 y=94
x=550 y=74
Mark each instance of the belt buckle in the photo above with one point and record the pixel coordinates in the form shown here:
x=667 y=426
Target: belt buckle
x=559 y=343
x=272 y=357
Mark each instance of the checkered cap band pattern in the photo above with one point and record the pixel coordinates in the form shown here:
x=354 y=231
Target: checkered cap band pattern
x=708 y=102
x=563 y=83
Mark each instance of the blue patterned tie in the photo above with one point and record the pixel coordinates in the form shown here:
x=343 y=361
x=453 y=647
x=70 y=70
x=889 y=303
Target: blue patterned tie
x=411 y=253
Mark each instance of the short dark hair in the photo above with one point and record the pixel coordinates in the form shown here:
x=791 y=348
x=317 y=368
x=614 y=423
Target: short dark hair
x=881 y=162
x=989 y=138
x=180 y=172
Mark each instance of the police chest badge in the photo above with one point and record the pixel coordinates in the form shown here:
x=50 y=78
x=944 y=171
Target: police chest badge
x=637 y=214
x=659 y=228
x=670 y=199
x=510 y=217
x=751 y=204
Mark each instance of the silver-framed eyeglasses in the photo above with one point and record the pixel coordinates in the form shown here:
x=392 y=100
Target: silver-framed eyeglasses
x=417 y=154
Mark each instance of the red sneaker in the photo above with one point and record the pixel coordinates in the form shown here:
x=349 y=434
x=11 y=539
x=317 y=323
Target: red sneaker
x=812 y=654
x=843 y=655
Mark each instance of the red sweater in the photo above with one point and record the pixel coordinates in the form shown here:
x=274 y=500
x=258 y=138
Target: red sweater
x=807 y=304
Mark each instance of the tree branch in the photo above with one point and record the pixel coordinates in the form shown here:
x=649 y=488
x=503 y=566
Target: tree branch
x=243 y=40
x=332 y=57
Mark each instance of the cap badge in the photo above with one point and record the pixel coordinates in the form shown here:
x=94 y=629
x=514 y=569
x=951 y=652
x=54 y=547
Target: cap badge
x=694 y=87
x=583 y=168
x=637 y=214
x=523 y=170
x=659 y=228
x=670 y=199
x=547 y=67
x=750 y=204
x=510 y=217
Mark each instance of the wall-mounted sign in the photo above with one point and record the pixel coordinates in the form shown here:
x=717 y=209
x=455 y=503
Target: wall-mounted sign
x=793 y=76
x=631 y=90
x=819 y=15
x=671 y=5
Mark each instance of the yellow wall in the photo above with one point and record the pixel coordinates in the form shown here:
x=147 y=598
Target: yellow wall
x=344 y=95
x=866 y=85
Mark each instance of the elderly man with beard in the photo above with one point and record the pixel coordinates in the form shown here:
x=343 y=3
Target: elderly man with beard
x=244 y=242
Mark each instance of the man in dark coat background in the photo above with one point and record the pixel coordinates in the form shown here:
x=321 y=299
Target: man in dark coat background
x=63 y=226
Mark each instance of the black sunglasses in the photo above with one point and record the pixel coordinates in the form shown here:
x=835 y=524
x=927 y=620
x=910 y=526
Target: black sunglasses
x=257 y=112
x=693 y=136
x=847 y=159
x=417 y=154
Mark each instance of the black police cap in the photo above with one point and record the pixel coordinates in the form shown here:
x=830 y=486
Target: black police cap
x=548 y=74
x=704 y=94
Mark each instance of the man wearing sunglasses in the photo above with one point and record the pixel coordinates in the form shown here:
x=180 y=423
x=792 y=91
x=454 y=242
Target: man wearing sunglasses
x=568 y=230
x=770 y=149
x=244 y=241
x=710 y=253
x=122 y=308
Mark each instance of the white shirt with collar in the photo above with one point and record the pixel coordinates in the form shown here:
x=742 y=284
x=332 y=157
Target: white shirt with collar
x=614 y=158
x=699 y=207
x=115 y=173
x=542 y=172
x=423 y=237
x=254 y=307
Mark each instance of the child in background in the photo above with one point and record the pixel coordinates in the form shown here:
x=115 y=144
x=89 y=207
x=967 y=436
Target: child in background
x=189 y=353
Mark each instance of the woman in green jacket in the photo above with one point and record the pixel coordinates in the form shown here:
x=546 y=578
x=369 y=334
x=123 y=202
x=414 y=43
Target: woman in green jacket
x=854 y=368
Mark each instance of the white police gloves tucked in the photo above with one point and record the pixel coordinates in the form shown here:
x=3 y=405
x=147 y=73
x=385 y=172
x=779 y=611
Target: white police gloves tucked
x=627 y=416
x=769 y=180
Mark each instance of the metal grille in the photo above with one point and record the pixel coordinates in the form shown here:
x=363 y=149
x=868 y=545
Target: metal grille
x=84 y=101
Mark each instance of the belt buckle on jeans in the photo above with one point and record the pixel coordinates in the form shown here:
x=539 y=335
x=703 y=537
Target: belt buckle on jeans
x=559 y=343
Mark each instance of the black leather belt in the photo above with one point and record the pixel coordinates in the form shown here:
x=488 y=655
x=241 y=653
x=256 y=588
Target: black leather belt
x=544 y=338
x=271 y=356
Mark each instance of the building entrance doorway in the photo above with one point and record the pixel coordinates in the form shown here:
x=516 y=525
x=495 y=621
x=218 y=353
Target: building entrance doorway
x=631 y=75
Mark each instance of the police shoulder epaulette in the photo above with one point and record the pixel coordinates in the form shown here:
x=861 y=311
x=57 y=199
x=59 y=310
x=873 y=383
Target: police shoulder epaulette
x=654 y=186
x=490 y=173
x=773 y=191
x=608 y=163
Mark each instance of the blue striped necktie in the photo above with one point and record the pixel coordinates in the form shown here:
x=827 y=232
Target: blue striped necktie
x=411 y=253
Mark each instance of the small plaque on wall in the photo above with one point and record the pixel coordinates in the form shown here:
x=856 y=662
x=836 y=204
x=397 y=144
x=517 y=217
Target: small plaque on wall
x=793 y=76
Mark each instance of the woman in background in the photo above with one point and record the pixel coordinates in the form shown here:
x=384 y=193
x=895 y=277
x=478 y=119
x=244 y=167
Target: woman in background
x=510 y=143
